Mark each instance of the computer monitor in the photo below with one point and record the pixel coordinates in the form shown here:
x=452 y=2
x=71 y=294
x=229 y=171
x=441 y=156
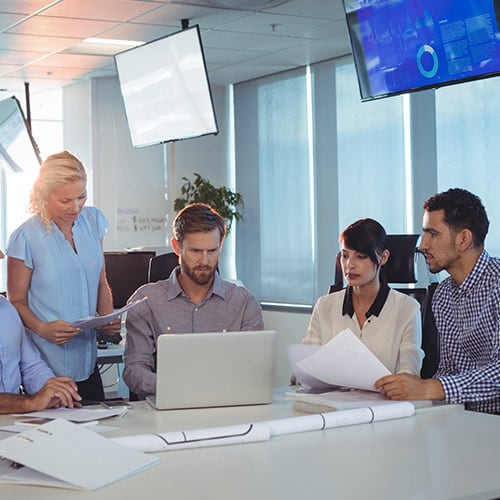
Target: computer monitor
x=165 y=89
x=404 y=46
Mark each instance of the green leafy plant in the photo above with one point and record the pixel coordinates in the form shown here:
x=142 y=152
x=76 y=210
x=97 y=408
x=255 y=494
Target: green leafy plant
x=222 y=199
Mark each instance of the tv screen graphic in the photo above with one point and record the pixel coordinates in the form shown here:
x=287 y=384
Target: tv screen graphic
x=165 y=89
x=407 y=45
x=18 y=150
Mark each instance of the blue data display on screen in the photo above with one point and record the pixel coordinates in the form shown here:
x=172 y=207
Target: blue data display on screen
x=416 y=44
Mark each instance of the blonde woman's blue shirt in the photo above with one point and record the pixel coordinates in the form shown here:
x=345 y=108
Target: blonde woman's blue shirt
x=64 y=284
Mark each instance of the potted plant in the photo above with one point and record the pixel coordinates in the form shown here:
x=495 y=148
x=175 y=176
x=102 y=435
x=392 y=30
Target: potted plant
x=222 y=199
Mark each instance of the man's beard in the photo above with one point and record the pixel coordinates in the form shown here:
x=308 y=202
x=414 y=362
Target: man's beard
x=194 y=273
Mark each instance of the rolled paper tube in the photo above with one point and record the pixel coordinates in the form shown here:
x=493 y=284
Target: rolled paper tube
x=262 y=431
x=340 y=418
x=196 y=438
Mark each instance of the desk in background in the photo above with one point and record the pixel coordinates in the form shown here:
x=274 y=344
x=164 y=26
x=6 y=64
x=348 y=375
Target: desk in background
x=442 y=452
x=110 y=362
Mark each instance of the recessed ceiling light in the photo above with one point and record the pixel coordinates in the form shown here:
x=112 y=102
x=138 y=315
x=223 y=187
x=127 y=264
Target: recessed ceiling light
x=241 y=4
x=112 y=41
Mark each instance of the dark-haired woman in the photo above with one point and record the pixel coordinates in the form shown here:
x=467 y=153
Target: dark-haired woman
x=386 y=321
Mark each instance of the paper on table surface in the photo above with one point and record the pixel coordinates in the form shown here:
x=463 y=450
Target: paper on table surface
x=345 y=361
x=78 y=414
x=97 y=321
x=65 y=455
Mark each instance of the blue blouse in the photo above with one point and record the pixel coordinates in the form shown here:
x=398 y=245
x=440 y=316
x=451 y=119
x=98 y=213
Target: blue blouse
x=20 y=362
x=64 y=284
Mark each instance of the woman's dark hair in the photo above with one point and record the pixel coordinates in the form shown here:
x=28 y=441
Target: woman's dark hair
x=365 y=236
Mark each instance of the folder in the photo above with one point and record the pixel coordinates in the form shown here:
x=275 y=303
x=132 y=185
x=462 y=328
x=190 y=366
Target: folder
x=65 y=455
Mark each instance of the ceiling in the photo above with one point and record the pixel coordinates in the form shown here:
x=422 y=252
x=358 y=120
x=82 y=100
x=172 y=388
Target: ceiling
x=41 y=41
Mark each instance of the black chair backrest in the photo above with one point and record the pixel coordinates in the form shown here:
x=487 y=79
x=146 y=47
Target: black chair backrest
x=126 y=272
x=161 y=266
x=401 y=266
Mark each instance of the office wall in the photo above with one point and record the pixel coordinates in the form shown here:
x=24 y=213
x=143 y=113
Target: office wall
x=135 y=188
x=291 y=328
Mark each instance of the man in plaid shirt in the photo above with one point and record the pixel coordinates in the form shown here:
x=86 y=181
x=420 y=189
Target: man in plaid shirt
x=466 y=307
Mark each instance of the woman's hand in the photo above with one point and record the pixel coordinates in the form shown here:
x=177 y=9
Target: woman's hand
x=59 y=332
x=112 y=328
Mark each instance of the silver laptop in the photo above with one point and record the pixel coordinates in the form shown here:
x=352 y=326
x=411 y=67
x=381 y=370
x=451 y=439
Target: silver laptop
x=201 y=370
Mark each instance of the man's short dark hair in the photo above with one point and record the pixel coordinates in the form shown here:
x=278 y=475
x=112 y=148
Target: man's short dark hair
x=462 y=210
x=198 y=217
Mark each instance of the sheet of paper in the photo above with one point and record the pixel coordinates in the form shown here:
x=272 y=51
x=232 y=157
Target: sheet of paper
x=345 y=361
x=62 y=454
x=78 y=414
x=97 y=321
x=298 y=352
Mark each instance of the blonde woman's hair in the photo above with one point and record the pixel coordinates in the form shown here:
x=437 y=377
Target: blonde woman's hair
x=56 y=171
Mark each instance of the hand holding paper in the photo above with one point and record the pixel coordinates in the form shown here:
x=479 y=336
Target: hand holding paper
x=97 y=321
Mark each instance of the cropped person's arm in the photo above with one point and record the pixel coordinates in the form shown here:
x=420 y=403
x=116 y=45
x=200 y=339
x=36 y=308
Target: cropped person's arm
x=404 y=387
x=56 y=393
x=138 y=357
x=18 y=283
x=480 y=384
x=34 y=371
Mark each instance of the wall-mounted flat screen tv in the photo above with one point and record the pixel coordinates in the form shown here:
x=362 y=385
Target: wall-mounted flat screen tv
x=165 y=89
x=18 y=150
x=407 y=45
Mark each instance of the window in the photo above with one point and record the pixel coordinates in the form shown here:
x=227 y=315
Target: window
x=467 y=145
x=272 y=173
x=311 y=159
x=46 y=125
x=370 y=156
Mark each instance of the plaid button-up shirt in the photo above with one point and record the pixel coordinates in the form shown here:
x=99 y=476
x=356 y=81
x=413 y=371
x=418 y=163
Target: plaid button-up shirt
x=468 y=321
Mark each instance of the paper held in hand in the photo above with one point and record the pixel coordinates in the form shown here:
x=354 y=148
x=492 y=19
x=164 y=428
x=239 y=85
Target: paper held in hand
x=344 y=361
x=97 y=321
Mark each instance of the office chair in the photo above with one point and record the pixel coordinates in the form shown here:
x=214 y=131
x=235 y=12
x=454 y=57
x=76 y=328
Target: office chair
x=126 y=272
x=161 y=266
x=401 y=269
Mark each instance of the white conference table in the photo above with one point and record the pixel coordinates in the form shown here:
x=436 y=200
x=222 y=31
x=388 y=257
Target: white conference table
x=441 y=452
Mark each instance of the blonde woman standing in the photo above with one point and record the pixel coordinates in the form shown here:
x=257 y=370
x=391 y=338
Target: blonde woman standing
x=56 y=274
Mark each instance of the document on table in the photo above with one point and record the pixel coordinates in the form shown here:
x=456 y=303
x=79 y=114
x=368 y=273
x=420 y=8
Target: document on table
x=97 y=321
x=344 y=361
x=64 y=455
x=78 y=415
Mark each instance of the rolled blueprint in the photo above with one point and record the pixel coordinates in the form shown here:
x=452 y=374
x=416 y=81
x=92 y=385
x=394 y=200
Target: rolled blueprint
x=262 y=431
x=196 y=438
x=320 y=421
